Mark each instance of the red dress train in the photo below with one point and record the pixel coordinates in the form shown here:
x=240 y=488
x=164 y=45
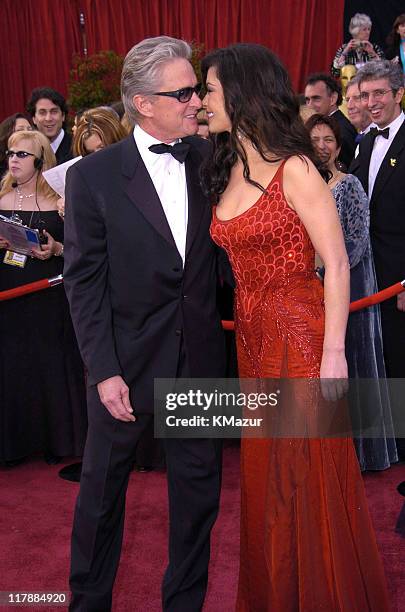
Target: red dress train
x=307 y=542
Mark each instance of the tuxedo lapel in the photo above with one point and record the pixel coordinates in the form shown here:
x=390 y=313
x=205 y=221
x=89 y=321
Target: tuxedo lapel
x=197 y=203
x=141 y=191
x=363 y=160
x=390 y=162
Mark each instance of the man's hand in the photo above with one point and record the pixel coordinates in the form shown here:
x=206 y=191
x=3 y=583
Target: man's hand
x=401 y=301
x=114 y=394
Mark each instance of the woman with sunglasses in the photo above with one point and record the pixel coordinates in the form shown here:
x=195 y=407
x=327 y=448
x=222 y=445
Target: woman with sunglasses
x=307 y=542
x=42 y=395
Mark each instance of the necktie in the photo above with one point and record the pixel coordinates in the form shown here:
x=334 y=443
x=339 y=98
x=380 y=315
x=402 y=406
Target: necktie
x=358 y=138
x=376 y=132
x=178 y=150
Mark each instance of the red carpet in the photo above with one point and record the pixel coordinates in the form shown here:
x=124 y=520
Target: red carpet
x=36 y=515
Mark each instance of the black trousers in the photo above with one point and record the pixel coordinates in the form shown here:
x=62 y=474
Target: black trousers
x=194 y=482
x=393 y=331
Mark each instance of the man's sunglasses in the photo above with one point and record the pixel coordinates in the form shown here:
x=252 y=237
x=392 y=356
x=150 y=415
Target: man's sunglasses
x=182 y=95
x=19 y=154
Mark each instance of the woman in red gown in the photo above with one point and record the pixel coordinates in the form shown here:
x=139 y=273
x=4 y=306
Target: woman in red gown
x=307 y=542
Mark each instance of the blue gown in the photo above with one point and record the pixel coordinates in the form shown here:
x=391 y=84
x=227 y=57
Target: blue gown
x=364 y=350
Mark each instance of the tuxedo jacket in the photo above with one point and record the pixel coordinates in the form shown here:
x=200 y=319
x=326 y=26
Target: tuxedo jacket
x=64 y=151
x=387 y=207
x=132 y=303
x=348 y=134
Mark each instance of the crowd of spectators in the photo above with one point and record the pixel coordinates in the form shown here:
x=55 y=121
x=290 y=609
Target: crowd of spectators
x=361 y=97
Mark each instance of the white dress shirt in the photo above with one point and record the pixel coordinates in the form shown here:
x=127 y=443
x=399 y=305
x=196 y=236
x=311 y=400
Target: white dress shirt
x=55 y=143
x=169 y=178
x=380 y=149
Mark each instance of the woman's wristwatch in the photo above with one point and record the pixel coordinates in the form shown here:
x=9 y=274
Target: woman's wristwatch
x=60 y=254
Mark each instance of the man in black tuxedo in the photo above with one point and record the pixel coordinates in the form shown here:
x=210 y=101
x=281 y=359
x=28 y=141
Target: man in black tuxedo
x=380 y=166
x=323 y=94
x=140 y=276
x=49 y=110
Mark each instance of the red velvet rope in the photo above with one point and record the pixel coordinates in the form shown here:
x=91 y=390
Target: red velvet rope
x=365 y=302
x=44 y=283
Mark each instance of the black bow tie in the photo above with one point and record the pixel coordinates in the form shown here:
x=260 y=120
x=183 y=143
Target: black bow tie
x=376 y=132
x=178 y=150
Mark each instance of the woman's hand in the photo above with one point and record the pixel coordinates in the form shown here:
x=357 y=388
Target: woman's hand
x=369 y=48
x=61 y=207
x=401 y=301
x=49 y=249
x=352 y=44
x=333 y=374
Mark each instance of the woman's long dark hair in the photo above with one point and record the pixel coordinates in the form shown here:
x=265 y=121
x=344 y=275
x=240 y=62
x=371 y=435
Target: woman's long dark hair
x=262 y=108
x=393 y=38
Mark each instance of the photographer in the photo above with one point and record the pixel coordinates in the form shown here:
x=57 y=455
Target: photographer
x=359 y=50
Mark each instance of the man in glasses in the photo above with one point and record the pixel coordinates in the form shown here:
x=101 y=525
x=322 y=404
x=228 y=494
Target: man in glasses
x=140 y=275
x=380 y=166
x=49 y=110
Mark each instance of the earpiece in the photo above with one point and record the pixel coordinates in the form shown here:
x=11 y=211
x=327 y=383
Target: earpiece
x=39 y=161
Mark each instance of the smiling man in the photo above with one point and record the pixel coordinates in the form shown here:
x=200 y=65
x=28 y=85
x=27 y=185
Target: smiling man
x=48 y=110
x=140 y=276
x=380 y=166
x=358 y=113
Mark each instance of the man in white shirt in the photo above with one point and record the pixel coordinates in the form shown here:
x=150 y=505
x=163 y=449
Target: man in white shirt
x=380 y=166
x=48 y=110
x=140 y=276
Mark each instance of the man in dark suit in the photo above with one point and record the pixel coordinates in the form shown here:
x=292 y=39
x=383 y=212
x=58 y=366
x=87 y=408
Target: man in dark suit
x=323 y=94
x=48 y=110
x=140 y=276
x=380 y=166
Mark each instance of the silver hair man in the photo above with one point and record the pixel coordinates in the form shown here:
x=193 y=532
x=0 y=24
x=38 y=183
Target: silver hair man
x=382 y=69
x=143 y=65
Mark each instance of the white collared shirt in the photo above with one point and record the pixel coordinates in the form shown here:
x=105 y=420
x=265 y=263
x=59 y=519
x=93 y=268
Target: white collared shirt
x=169 y=178
x=55 y=144
x=380 y=148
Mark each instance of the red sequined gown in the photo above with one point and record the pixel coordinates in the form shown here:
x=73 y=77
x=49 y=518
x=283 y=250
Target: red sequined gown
x=307 y=542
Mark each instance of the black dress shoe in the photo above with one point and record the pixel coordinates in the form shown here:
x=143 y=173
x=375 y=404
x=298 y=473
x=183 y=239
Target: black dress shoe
x=71 y=472
x=51 y=459
x=401 y=488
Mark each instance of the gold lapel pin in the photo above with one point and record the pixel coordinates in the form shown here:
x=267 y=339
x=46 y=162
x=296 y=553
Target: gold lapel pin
x=393 y=162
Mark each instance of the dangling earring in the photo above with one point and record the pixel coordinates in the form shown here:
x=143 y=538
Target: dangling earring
x=241 y=136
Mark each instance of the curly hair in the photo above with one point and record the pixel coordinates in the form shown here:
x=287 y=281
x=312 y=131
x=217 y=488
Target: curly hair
x=262 y=108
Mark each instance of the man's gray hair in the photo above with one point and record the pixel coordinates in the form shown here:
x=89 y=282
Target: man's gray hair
x=358 y=21
x=382 y=69
x=143 y=65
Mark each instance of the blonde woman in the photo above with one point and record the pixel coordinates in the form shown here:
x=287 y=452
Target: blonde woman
x=97 y=128
x=42 y=396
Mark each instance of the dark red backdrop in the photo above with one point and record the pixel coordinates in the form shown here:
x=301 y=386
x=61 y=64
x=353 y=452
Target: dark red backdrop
x=39 y=38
